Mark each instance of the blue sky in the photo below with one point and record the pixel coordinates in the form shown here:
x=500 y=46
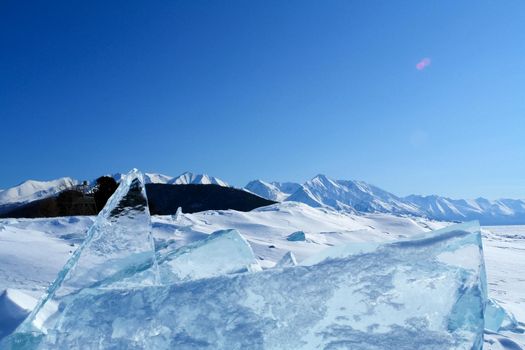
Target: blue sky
x=278 y=90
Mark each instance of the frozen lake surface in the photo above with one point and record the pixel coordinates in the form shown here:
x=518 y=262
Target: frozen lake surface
x=32 y=251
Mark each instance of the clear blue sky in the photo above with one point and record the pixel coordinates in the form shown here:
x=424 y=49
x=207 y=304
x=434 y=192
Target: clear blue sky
x=278 y=90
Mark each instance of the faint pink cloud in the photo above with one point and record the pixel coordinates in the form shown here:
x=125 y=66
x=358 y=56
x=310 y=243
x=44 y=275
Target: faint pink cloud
x=424 y=63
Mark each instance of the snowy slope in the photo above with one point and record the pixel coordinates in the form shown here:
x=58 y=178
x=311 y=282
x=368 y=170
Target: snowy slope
x=275 y=191
x=271 y=226
x=200 y=179
x=49 y=241
x=31 y=190
x=32 y=252
x=14 y=308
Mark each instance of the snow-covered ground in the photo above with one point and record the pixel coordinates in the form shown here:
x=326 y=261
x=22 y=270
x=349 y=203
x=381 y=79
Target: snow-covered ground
x=505 y=262
x=32 y=251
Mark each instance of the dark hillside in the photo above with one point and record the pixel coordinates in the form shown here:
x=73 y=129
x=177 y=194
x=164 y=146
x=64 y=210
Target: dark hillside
x=42 y=208
x=165 y=199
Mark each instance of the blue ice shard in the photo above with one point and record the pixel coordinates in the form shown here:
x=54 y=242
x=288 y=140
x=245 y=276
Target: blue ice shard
x=428 y=293
x=298 y=236
x=287 y=260
x=222 y=252
x=498 y=319
x=119 y=240
x=178 y=215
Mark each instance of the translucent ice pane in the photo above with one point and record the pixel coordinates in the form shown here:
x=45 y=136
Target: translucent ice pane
x=497 y=318
x=287 y=260
x=120 y=239
x=427 y=293
x=223 y=252
x=178 y=215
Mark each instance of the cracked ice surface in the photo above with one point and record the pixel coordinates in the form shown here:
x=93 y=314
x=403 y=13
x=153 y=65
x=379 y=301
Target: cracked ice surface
x=119 y=240
x=426 y=293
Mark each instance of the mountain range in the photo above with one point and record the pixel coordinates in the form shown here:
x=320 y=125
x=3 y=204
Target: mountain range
x=321 y=191
x=359 y=196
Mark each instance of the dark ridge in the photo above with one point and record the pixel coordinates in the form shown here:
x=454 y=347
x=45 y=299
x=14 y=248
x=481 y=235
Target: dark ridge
x=162 y=199
x=42 y=208
x=165 y=199
x=66 y=203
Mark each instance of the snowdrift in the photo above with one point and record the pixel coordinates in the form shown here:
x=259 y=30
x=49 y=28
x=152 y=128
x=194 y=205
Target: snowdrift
x=14 y=308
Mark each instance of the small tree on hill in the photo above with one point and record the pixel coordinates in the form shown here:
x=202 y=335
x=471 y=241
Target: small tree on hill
x=104 y=188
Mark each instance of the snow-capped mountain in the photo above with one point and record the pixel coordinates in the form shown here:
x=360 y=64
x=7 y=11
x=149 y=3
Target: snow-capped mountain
x=321 y=191
x=200 y=179
x=350 y=195
x=31 y=190
x=275 y=191
x=149 y=178
x=183 y=179
x=152 y=178
x=502 y=211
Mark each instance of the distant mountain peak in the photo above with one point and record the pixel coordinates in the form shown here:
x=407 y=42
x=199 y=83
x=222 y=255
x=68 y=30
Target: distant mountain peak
x=156 y=178
x=275 y=191
x=321 y=177
x=31 y=190
x=350 y=195
x=201 y=179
